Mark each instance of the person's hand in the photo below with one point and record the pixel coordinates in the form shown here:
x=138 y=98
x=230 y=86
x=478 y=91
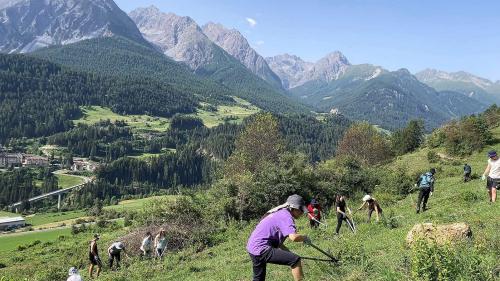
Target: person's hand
x=415 y=185
x=430 y=194
x=483 y=177
x=307 y=241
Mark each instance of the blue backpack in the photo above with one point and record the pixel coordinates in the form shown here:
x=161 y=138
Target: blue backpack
x=426 y=180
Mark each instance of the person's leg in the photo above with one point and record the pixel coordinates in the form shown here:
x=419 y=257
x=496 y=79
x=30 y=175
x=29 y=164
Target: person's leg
x=426 y=197
x=91 y=268
x=369 y=215
x=311 y=223
x=297 y=272
x=282 y=257
x=118 y=259
x=259 y=268
x=110 y=261
x=419 y=201
x=339 y=223
x=493 y=194
x=99 y=266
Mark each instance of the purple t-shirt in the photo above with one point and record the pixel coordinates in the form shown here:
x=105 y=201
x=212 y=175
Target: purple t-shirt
x=271 y=232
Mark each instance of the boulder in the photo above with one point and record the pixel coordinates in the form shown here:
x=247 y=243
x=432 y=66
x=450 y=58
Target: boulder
x=439 y=233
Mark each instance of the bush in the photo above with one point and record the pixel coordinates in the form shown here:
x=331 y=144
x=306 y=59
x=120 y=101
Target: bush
x=433 y=157
x=430 y=261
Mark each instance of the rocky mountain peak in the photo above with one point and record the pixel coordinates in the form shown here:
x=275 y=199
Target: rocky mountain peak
x=296 y=71
x=178 y=37
x=233 y=42
x=27 y=25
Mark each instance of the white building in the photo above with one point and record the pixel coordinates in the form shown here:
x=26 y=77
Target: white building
x=10 y=223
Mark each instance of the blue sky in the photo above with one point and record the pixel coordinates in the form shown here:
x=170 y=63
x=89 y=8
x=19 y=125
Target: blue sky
x=446 y=35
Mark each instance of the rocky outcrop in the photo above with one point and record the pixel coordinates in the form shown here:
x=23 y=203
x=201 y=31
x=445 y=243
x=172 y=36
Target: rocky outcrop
x=178 y=37
x=439 y=233
x=28 y=25
x=233 y=42
x=294 y=71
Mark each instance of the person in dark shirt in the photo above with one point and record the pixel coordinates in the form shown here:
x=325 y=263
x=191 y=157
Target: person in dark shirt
x=373 y=206
x=341 y=208
x=467 y=172
x=426 y=185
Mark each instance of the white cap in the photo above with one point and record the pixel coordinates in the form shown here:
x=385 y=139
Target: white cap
x=366 y=198
x=72 y=271
x=119 y=245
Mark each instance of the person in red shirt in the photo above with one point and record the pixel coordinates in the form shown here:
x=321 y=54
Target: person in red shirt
x=314 y=213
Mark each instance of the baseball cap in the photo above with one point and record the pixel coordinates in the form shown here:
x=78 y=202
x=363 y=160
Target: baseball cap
x=297 y=202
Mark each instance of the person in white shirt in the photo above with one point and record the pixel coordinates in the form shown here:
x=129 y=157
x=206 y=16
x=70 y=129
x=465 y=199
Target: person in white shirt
x=146 y=245
x=492 y=174
x=74 y=275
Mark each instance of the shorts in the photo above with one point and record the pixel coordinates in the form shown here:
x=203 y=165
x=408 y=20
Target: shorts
x=492 y=183
x=273 y=256
x=95 y=260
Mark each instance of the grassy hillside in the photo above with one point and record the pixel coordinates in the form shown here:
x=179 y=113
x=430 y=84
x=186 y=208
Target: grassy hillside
x=376 y=252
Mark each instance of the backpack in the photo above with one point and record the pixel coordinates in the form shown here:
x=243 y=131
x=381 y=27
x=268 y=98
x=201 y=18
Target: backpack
x=426 y=180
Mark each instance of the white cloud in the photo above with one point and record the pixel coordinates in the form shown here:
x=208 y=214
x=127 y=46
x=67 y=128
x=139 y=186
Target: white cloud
x=251 y=22
x=259 y=43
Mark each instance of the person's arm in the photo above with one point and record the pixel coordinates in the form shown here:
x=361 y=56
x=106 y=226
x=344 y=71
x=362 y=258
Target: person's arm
x=486 y=171
x=364 y=203
x=295 y=237
x=109 y=250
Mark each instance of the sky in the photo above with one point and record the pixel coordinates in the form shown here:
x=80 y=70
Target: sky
x=445 y=35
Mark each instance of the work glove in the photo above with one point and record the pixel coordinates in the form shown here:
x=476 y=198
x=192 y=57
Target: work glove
x=307 y=241
x=483 y=177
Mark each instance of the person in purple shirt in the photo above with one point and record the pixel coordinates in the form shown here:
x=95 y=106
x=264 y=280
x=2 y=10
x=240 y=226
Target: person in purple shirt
x=265 y=244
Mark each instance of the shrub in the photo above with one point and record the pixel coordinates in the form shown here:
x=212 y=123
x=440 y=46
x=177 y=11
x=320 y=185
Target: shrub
x=433 y=157
x=430 y=261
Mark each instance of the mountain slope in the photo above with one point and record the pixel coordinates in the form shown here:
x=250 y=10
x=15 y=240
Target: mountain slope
x=121 y=57
x=468 y=84
x=28 y=25
x=388 y=99
x=237 y=46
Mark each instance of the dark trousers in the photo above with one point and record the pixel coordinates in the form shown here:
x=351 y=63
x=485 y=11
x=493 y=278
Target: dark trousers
x=423 y=196
x=113 y=257
x=274 y=256
x=313 y=223
x=466 y=177
x=341 y=218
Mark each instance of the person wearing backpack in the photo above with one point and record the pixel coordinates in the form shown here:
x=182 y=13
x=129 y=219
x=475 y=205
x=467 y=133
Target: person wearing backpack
x=426 y=185
x=467 y=172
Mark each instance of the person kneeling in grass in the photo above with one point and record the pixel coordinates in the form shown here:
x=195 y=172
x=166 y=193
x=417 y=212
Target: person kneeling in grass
x=265 y=244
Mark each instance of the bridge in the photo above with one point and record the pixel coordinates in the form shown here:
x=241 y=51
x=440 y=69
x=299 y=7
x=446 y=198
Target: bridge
x=58 y=192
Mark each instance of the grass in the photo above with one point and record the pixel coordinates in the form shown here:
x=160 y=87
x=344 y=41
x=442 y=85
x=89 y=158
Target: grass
x=234 y=113
x=50 y=218
x=65 y=181
x=375 y=252
x=144 y=123
x=4 y=214
x=11 y=242
x=134 y=204
x=140 y=123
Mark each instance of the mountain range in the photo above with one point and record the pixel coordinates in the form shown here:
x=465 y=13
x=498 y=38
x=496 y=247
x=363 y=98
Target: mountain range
x=96 y=36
